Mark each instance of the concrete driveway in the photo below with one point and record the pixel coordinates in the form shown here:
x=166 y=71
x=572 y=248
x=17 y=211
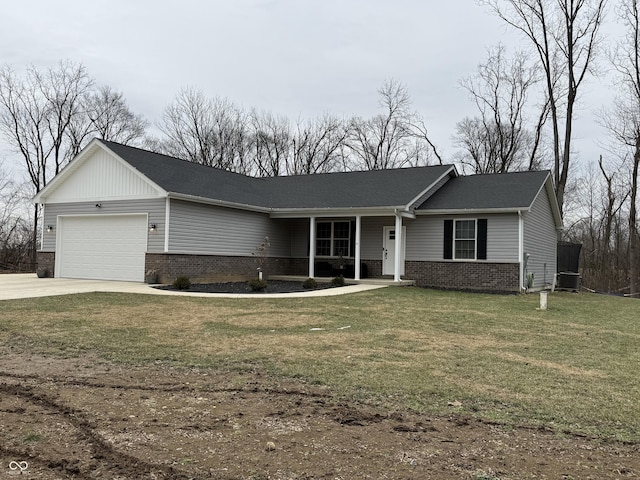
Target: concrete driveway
x=28 y=285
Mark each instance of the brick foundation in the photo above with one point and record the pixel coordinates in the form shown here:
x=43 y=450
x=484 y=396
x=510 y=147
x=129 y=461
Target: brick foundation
x=212 y=268
x=46 y=262
x=481 y=276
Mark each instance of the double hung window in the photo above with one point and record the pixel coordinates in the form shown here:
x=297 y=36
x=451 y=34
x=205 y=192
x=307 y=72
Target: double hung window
x=333 y=239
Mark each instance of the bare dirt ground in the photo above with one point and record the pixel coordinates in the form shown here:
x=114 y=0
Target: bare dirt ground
x=83 y=418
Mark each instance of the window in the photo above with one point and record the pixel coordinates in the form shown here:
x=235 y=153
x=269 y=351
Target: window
x=465 y=239
x=333 y=239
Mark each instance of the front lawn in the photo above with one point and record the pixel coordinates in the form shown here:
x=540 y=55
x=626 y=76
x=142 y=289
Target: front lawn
x=573 y=368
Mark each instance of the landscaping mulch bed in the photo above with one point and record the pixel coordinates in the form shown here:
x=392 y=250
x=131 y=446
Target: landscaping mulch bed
x=273 y=286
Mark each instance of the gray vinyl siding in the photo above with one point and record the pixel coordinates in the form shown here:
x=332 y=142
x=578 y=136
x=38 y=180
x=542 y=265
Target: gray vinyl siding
x=372 y=236
x=300 y=237
x=540 y=241
x=155 y=208
x=425 y=237
x=210 y=230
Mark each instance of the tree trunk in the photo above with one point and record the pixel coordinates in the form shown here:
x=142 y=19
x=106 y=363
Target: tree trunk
x=633 y=230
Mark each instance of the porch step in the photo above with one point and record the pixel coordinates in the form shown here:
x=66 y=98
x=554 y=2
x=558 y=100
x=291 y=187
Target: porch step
x=386 y=280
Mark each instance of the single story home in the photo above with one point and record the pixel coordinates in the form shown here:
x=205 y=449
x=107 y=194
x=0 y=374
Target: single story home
x=116 y=212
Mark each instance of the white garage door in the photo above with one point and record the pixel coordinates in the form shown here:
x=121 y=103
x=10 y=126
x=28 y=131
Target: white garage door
x=102 y=247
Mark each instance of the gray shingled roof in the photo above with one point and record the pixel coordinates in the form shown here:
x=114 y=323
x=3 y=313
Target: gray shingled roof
x=379 y=188
x=515 y=190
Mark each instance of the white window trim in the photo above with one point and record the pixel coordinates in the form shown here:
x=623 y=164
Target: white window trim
x=475 y=240
x=332 y=238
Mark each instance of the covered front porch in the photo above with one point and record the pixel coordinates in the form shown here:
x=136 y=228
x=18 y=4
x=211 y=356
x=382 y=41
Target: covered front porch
x=364 y=246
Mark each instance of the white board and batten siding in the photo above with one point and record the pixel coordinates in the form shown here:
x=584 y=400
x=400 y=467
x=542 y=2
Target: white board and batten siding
x=103 y=177
x=202 y=229
x=540 y=240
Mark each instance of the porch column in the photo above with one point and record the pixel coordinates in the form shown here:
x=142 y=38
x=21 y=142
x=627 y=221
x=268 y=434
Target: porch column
x=312 y=246
x=398 y=252
x=357 y=255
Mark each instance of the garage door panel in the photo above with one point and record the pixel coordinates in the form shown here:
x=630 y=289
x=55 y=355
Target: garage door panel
x=105 y=247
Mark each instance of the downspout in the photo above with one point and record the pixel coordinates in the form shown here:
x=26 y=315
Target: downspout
x=521 y=250
x=43 y=228
x=167 y=216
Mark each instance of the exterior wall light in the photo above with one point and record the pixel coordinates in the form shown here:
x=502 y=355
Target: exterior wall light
x=98 y=205
x=49 y=228
x=152 y=227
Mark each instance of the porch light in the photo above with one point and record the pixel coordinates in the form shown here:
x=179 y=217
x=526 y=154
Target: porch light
x=152 y=227
x=49 y=228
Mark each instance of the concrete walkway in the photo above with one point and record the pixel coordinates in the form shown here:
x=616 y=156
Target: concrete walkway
x=28 y=285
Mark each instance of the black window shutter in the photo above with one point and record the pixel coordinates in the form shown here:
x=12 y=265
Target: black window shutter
x=448 y=239
x=352 y=239
x=482 y=239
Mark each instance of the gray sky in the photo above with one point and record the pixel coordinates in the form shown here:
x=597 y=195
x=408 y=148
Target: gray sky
x=297 y=58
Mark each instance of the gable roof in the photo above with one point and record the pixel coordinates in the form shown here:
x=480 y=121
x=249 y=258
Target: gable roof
x=369 y=189
x=499 y=192
x=378 y=191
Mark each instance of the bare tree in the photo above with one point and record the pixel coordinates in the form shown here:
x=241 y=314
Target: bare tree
x=44 y=117
x=317 y=146
x=623 y=119
x=106 y=115
x=65 y=92
x=564 y=35
x=498 y=140
x=390 y=139
x=32 y=124
x=271 y=143
x=15 y=234
x=206 y=131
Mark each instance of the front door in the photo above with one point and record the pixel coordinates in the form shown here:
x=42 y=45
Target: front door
x=389 y=251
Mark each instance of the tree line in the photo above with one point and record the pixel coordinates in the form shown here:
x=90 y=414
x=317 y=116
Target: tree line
x=525 y=103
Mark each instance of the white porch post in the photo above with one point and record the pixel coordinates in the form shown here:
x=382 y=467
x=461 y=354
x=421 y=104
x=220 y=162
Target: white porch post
x=357 y=255
x=398 y=252
x=312 y=246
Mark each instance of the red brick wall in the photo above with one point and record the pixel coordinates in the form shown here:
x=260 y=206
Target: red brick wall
x=212 y=268
x=46 y=261
x=482 y=276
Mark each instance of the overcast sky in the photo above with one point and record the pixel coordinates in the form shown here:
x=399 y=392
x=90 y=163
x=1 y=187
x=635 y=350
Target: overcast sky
x=298 y=58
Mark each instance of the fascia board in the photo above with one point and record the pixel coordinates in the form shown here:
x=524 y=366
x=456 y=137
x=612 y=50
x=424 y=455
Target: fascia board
x=470 y=211
x=214 y=202
x=341 y=212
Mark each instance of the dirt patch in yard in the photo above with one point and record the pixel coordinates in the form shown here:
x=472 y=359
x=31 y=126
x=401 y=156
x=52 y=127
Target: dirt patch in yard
x=84 y=418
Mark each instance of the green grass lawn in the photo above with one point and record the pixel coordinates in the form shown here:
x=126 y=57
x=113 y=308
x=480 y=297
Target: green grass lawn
x=573 y=368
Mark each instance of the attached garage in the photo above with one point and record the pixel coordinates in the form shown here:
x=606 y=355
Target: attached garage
x=102 y=247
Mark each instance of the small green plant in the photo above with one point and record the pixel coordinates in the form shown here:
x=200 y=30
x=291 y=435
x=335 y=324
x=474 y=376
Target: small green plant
x=182 y=283
x=257 y=285
x=33 y=438
x=309 y=284
x=338 y=281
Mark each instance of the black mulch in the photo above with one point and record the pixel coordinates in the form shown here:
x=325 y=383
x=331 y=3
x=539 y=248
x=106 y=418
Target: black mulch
x=273 y=286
